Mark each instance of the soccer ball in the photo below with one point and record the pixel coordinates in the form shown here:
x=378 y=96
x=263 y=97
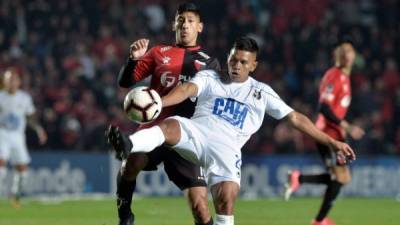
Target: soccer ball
x=142 y=105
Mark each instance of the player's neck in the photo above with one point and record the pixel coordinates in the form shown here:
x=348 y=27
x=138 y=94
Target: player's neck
x=191 y=45
x=346 y=70
x=11 y=92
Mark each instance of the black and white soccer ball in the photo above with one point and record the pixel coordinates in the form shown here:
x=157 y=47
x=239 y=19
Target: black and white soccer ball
x=142 y=105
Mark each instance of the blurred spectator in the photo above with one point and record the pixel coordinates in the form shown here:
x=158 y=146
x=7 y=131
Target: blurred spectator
x=71 y=52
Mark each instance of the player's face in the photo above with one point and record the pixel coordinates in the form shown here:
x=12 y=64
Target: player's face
x=240 y=64
x=187 y=27
x=345 y=55
x=11 y=81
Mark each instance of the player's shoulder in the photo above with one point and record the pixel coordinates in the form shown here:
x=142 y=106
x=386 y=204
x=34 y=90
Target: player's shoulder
x=208 y=73
x=332 y=72
x=23 y=94
x=263 y=88
x=161 y=48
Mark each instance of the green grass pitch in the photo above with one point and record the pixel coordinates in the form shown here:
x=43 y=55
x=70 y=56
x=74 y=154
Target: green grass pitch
x=173 y=211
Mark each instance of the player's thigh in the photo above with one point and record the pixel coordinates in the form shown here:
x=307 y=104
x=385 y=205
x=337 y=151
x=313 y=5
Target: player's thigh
x=182 y=172
x=327 y=155
x=171 y=130
x=4 y=151
x=342 y=174
x=19 y=151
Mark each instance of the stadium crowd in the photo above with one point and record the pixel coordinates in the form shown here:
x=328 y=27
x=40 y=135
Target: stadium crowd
x=70 y=52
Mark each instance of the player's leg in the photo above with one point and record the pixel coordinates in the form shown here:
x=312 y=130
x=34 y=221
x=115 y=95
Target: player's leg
x=224 y=196
x=341 y=175
x=20 y=159
x=189 y=177
x=198 y=203
x=3 y=174
x=19 y=178
x=296 y=178
x=4 y=156
x=132 y=150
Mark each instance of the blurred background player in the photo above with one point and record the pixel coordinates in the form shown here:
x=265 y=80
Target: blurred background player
x=16 y=109
x=334 y=99
x=169 y=66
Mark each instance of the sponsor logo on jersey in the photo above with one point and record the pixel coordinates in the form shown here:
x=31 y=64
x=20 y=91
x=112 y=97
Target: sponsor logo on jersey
x=231 y=110
x=166 y=80
x=163 y=49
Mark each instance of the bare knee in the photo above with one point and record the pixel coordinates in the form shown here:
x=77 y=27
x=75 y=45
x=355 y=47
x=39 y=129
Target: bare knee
x=224 y=196
x=171 y=130
x=133 y=165
x=342 y=175
x=198 y=202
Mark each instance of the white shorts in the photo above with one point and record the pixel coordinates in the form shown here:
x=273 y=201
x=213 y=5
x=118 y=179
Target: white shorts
x=203 y=146
x=13 y=148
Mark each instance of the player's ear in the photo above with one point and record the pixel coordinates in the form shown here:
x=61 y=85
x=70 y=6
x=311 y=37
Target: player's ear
x=174 y=25
x=254 y=65
x=200 y=27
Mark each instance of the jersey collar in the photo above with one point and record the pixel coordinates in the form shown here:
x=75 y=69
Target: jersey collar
x=189 y=48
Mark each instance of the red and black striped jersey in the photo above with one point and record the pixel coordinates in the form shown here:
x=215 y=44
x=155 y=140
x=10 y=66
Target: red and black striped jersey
x=168 y=66
x=334 y=91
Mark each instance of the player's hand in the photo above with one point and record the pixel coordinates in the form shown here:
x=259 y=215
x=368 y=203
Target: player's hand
x=356 y=132
x=138 y=48
x=42 y=135
x=343 y=149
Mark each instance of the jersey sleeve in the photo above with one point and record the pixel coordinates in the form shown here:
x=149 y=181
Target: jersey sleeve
x=275 y=106
x=328 y=89
x=145 y=65
x=202 y=81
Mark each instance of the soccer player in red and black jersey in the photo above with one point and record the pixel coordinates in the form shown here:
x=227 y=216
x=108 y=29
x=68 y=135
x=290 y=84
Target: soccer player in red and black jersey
x=168 y=65
x=334 y=100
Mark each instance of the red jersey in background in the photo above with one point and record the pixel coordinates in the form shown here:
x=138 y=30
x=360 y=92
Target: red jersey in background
x=335 y=91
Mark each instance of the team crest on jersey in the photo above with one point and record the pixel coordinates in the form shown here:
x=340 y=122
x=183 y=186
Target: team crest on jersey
x=257 y=94
x=231 y=110
x=165 y=60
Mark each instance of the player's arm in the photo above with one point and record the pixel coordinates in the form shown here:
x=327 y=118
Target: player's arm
x=179 y=94
x=34 y=124
x=134 y=70
x=302 y=123
x=355 y=132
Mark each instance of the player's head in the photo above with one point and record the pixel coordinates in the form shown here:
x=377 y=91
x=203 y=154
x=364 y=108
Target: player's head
x=11 y=80
x=242 y=59
x=344 y=55
x=187 y=24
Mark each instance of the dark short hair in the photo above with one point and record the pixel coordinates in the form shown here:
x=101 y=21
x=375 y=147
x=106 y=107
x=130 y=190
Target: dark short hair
x=188 y=7
x=246 y=44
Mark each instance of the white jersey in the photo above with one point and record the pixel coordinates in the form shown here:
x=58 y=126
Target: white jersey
x=13 y=111
x=235 y=111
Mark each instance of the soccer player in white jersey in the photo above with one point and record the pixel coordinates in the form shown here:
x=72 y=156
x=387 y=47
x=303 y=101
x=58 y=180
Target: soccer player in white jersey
x=16 y=110
x=229 y=110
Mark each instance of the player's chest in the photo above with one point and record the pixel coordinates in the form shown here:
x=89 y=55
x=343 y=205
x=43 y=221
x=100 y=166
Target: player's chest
x=174 y=67
x=11 y=104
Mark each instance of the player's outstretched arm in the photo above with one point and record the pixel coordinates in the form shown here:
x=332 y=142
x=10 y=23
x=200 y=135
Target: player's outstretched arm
x=34 y=124
x=302 y=123
x=179 y=94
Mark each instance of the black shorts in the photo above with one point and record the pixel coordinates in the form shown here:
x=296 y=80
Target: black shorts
x=328 y=156
x=183 y=173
